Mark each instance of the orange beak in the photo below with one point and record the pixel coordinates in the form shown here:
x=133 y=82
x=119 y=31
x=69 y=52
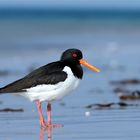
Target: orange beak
x=85 y=63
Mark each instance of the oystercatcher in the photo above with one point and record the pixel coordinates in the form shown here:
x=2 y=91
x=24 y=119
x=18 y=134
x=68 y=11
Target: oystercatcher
x=51 y=82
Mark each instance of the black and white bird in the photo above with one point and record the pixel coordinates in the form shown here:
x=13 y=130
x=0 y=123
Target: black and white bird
x=51 y=82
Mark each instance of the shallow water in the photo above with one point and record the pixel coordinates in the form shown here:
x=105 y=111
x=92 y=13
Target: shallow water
x=102 y=124
x=113 y=47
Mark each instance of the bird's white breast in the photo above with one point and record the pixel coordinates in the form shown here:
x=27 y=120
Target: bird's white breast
x=53 y=92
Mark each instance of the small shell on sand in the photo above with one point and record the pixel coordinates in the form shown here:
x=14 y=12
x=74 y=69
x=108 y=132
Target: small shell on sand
x=87 y=114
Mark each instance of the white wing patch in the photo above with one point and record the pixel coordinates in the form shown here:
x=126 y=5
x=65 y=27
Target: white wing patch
x=53 y=92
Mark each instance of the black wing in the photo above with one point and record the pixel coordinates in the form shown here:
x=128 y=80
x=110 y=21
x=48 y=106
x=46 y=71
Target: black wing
x=48 y=74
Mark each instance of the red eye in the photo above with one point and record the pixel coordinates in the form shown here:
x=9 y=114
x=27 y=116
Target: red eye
x=74 y=55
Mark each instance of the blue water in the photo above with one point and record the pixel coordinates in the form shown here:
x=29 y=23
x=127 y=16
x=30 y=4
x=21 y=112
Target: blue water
x=68 y=13
x=108 y=39
x=46 y=29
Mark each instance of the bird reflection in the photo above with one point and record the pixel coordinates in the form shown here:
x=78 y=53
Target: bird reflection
x=47 y=131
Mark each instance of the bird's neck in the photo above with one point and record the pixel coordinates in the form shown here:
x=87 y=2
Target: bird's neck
x=76 y=69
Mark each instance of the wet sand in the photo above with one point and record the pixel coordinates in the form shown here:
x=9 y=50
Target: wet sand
x=113 y=48
x=119 y=123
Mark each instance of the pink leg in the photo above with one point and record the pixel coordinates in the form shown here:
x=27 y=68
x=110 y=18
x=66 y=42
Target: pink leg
x=49 y=122
x=42 y=122
x=49 y=114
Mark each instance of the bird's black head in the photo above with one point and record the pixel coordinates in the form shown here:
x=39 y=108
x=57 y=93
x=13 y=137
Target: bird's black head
x=72 y=56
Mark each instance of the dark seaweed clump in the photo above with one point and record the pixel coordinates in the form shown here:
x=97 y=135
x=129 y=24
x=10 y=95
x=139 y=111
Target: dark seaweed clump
x=11 y=110
x=109 y=105
x=125 y=82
